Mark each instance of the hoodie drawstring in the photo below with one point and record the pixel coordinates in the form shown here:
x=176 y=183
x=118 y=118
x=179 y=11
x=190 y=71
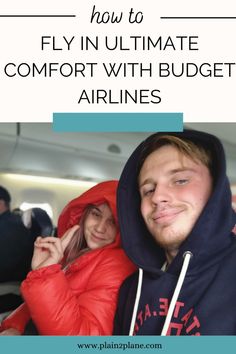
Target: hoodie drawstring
x=135 y=309
x=187 y=256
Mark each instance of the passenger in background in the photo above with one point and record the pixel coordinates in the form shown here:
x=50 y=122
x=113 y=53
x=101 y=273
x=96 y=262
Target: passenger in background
x=74 y=284
x=18 y=231
x=15 y=245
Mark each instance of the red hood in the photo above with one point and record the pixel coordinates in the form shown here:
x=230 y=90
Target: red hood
x=104 y=192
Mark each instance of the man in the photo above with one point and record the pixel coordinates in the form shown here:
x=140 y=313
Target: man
x=15 y=244
x=176 y=221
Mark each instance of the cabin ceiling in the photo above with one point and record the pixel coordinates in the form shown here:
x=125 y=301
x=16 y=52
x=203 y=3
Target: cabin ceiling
x=33 y=148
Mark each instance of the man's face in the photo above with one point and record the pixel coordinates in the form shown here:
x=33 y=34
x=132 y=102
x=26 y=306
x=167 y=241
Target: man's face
x=174 y=190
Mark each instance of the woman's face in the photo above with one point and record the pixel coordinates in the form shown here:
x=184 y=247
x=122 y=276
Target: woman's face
x=99 y=227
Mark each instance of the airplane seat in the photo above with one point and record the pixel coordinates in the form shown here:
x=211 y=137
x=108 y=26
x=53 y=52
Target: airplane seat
x=38 y=222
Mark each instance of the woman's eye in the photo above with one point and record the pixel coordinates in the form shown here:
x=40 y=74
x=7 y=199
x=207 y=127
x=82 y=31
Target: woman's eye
x=95 y=213
x=112 y=222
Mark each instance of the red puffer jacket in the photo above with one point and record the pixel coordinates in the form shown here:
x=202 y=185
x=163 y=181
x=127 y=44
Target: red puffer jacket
x=83 y=299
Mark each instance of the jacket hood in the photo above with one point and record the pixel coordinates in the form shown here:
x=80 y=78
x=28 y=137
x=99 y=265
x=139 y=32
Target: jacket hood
x=104 y=192
x=210 y=237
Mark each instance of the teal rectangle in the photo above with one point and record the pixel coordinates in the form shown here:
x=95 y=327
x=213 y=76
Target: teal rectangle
x=117 y=344
x=117 y=122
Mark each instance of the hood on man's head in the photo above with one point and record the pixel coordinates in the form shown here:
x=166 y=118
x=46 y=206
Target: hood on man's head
x=5 y=195
x=136 y=239
x=207 y=142
x=104 y=192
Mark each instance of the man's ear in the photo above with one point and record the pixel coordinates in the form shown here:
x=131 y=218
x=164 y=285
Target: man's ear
x=3 y=205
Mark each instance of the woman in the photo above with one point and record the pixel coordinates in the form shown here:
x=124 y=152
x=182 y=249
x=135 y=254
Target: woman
x=73 y=287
